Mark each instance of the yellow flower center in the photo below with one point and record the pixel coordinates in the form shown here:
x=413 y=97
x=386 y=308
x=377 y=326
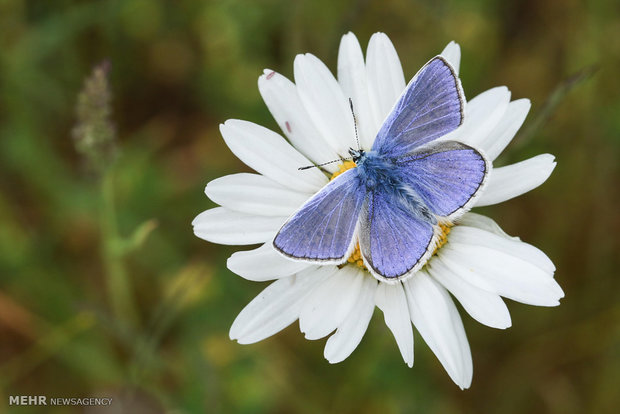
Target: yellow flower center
x=346 y=165
x=356 y=256
x=443 y=236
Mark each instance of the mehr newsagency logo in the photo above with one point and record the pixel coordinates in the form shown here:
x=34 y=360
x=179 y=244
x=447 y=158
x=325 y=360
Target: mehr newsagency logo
x=44 y=400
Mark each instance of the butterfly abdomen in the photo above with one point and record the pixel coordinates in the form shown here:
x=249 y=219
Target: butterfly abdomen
x=411 y=201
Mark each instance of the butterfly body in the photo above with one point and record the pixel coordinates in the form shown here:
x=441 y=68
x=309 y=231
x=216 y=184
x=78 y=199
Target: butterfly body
x=400 y=189
x=378 y=173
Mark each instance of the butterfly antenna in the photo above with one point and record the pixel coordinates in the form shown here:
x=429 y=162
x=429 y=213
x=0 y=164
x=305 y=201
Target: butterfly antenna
x=355 y=124
x=325 y=163
x=341 y=159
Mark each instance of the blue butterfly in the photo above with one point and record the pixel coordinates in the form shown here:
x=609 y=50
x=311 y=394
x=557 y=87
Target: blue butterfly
x=400 y=191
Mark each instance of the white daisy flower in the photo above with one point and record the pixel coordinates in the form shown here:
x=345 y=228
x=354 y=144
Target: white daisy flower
x=477 y=262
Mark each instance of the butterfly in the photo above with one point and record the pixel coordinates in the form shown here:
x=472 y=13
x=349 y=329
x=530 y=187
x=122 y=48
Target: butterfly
x=400 y=190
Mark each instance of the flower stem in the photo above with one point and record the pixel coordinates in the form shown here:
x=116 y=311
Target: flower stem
x=118 y=284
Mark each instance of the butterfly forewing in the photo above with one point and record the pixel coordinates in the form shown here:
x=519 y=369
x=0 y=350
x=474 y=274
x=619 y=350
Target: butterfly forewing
x=394 y=242
x=322 y=230
x=430 y=107
x=447 y=175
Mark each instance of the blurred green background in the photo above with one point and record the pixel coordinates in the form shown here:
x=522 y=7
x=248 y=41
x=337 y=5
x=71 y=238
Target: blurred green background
x=177 y=70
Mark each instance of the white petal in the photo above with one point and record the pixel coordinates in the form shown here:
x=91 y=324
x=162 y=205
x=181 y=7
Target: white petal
x=223 y=226
x=263 y=263
x=484 y=223
x=482 y=114
x=352 y=80
x=350 y=333
x=326 y=105
x=516 y=179
x=269 y=154
x=434 y=315
x=254 y=194
x=506 y=129
x=275 y=308
x=477 y=236
x=452 y=53
x=501 y=273
x=484 y=306
x=392 y=301
x=280 y=96
x=386 y=80
x=328 y=305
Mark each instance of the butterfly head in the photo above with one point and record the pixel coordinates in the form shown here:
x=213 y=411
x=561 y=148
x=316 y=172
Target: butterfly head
x=356 y=154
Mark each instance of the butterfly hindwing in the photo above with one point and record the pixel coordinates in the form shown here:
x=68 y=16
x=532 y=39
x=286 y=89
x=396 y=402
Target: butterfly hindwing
x=323 y=229
x=447 y=175
x=431 y=106
x=394 y=242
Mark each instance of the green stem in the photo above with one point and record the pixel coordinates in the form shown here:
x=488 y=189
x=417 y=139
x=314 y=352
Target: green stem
x=118 y=284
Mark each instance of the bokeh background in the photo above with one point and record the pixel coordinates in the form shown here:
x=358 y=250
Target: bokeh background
x=105 y=291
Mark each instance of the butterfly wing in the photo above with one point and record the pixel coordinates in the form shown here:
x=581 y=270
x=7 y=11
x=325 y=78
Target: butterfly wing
x=322 y=230
x=394 y=241
x=431 y=106
x=447 y=175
